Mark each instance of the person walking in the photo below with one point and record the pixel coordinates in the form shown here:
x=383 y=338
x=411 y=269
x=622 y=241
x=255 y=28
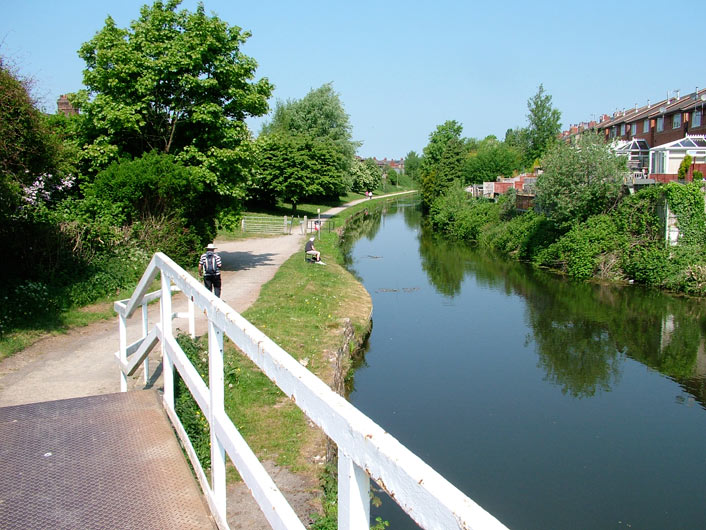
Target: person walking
x=210 y=269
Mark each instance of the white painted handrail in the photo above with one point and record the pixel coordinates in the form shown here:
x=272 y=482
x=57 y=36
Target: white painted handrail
x=365 y=450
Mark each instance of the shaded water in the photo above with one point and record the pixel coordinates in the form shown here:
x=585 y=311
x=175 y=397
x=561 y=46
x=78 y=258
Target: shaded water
x=552 y=404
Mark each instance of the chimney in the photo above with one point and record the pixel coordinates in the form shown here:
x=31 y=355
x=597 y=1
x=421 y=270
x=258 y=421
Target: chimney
x=649 y=106
x=677 y=92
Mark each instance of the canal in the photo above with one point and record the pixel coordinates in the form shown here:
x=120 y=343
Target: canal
x=553 y=404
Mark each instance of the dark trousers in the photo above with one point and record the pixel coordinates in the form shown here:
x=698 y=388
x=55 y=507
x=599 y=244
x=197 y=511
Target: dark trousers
x=213 y=283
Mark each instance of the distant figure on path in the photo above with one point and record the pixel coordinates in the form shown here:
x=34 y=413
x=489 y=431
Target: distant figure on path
x=210 y=269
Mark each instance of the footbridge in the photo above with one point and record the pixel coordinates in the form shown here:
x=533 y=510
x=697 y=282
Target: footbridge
x=365 y=451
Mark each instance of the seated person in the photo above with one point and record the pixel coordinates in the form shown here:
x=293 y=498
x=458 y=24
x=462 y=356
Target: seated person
x=311 y=250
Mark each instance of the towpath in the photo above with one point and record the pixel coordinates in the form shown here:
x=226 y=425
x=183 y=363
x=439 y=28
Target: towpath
x=80 y=362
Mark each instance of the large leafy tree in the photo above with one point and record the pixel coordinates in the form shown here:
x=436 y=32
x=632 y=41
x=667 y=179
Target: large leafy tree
x=412 y=165
x=580 y=180
x=443 y=161
x=320 y=115
x=294 y=167
x=177 y=82
x=544 y=125
x=491 y=160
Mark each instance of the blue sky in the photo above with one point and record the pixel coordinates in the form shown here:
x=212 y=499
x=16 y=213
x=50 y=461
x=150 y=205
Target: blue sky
x=402 y=68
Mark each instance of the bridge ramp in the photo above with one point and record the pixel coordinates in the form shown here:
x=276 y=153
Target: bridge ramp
x=108 y=461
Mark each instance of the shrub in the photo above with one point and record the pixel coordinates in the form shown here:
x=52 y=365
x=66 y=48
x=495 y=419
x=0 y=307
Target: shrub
x=579 y=252
x=157 y=186
x=684 y=167
x=698 y=176
x=523 y=236
x=647 y=264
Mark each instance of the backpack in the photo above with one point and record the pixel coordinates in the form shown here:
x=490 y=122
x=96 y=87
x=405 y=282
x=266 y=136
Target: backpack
x=210 y=269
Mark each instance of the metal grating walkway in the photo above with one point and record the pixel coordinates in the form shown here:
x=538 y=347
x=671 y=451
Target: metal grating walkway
x=109 y=461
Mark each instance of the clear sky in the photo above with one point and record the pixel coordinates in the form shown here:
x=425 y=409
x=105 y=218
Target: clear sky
x=402 y=68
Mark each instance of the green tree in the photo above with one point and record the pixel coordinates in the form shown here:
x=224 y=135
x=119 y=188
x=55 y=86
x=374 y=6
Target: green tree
x=517 y=138
x=412 y=165
x=366 y=174
x=176 y=82
x=493 y=159
x=580 y=180
x=442 y=162
x=294 y=167
x=544 y=125
x=319 y=115
x=30 y=154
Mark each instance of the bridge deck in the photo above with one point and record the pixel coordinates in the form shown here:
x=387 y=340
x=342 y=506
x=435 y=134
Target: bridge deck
x=108 y=461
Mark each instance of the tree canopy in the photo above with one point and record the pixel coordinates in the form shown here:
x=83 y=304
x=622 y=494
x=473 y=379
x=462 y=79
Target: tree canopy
x=294 y=167
x=412 y=165
x=177 y=82
x=442 y=162
x=366 y=175
x=320 y=115
x=491 y=160
x=31 y=158
x=544 y=125
x=580 y=180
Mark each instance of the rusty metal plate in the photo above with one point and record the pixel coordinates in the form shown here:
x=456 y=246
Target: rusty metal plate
x=109 y=461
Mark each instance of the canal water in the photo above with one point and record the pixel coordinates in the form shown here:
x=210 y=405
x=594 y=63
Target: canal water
x=553 y=404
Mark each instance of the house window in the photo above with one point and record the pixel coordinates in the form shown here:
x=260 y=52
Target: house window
x=660 y=124
x=646 y=126
x=622 y=129
x=676 y=121
x=633 y=129
x=696 y=120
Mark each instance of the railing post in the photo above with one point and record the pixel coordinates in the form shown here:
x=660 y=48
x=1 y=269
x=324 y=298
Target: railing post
x=122 y=332
x=353 y=495
x=145 y=329
x=166 y=325
x=192 y=320
x=216 y=392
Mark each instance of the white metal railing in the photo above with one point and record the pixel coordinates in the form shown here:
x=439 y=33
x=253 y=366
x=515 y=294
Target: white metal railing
x=365 y=451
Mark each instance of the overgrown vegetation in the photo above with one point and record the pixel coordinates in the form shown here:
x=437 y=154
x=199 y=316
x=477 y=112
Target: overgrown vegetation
x=625 y=243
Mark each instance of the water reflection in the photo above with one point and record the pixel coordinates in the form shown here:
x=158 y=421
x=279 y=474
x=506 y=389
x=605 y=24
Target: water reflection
x=581 y=332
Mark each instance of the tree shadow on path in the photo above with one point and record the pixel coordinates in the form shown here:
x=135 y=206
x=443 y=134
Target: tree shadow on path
x=236 y=261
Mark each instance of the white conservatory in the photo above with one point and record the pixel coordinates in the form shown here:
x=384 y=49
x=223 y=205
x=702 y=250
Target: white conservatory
x=665 y=159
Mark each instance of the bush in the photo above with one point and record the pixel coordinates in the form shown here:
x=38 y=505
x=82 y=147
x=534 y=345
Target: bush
x=684 y=167
x=157 y=186
x=523 y=236
x=579 y=252
x=646 y=264
x=462 y=217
